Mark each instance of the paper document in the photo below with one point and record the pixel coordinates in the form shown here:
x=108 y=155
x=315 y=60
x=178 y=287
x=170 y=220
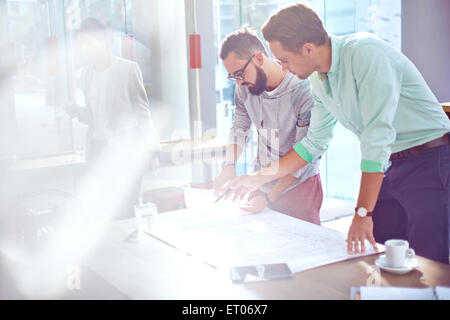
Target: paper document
x=223 y=236
x=400 y=293
x=442 y=293
x=202 y=198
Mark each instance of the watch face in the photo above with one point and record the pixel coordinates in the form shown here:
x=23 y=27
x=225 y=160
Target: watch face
x=362 y=212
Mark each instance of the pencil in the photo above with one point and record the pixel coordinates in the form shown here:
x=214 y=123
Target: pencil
x=223 y=195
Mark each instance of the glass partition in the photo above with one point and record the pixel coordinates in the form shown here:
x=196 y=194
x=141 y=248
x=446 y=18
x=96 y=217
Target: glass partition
x=39 y=68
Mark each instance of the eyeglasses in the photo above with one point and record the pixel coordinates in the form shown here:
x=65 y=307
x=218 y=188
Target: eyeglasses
x=239 y=75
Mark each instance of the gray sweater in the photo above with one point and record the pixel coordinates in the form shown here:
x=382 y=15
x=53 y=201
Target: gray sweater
x=281 y=118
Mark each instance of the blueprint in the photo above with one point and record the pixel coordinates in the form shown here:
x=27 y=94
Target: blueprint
x=224 y=236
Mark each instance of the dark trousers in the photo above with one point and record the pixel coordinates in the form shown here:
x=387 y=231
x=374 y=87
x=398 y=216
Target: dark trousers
x=414 y=203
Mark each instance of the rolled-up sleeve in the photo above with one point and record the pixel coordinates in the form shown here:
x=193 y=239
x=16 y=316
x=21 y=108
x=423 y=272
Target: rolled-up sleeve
x=378 y=78
x=319 y=133
x=241 y=122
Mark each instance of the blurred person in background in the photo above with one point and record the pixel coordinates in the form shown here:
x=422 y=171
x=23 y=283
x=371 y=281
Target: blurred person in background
x=121 y=138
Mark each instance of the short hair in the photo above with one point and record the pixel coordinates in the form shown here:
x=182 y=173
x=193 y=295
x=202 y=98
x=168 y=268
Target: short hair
x=96 y=28
x=293 y=26
x=243 y=42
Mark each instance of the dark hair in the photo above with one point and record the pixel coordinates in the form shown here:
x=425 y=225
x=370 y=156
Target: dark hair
x=293 y=26
x=95 y=28
x=244 y=42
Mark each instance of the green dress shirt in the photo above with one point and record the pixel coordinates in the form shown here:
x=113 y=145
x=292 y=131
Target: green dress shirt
x=373 y=90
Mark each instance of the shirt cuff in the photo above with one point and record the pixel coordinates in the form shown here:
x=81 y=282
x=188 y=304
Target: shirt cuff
x=371 y=166
x=302 y=152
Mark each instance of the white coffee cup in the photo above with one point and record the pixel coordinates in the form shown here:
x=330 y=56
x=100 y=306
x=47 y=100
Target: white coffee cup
x=144 y=213
x=398 y=253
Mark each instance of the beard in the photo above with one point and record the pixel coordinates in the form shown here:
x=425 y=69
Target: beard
x=260 y=83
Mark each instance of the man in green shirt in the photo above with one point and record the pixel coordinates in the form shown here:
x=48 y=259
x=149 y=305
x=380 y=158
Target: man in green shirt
x=376 y=92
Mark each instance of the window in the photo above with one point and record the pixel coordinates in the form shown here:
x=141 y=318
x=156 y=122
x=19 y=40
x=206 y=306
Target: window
x=340 y=165
x=38 y=87
x=38 y=36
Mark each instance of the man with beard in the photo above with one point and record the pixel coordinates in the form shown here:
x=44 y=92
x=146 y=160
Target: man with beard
x=278 y=104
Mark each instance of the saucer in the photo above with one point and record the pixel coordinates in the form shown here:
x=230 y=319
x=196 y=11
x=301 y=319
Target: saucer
x=411 y=264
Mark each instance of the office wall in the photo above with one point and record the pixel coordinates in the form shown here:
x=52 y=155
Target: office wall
x=161 y=24
x=426 y=41
x=202 y=92
x=204 y=85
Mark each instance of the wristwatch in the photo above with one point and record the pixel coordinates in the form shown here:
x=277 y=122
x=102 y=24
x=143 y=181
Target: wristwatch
x=228 y=163
x=362 y=212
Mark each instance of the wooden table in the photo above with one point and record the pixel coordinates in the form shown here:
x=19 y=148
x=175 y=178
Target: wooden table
x=154 y=270
x=151 y=269
x=189 y=149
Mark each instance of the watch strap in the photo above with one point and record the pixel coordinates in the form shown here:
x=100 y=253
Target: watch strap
x=368 y=214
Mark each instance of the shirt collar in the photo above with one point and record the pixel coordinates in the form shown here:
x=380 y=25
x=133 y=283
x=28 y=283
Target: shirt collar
x=336 y=45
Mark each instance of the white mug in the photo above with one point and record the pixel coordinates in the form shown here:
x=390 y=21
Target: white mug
x=398 y=253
